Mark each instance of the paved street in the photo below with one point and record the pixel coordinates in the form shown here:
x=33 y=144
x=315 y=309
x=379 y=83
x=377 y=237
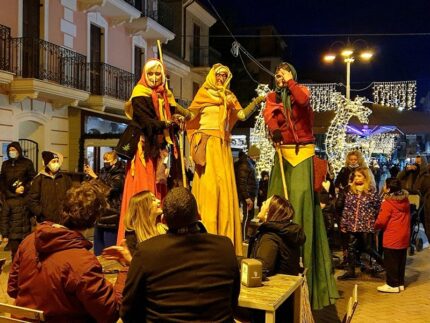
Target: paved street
x=412 y=305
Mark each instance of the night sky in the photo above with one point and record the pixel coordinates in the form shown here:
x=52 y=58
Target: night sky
x=402 y=57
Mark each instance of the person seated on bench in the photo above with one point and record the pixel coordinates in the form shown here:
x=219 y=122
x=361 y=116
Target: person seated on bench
x=54 y=270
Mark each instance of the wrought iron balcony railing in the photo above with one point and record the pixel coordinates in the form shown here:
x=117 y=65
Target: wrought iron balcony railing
x=36 y=58
x=109 y=80
x=4 y=48
x=204 y=56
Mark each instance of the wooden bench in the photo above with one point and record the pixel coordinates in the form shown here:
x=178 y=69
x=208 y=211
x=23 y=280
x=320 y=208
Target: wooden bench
x=351 y=305
x=27 y=313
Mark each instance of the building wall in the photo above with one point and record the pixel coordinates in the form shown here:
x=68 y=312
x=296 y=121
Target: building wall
x=56 y=23
x=36 y=120
x=8 y=14
x=119 y=48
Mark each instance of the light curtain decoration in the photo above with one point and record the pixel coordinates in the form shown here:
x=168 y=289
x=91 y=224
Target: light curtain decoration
x=259 y=136
x=401 y=95
x=321 y=96
x=382 y=143
x=336 y=144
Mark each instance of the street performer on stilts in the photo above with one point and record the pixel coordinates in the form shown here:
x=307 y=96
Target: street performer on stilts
x=149 y=142
x=214 y=111
x=289 y=118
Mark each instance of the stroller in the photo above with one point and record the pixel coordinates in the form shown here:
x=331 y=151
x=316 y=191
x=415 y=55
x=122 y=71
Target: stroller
x=416 y=243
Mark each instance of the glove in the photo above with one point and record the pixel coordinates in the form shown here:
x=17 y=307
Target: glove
x=175 y=127
x=277 y=136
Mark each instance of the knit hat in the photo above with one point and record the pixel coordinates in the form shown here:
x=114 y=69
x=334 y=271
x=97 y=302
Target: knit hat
x=254 y=151
x=47 y=156
x=14 y=183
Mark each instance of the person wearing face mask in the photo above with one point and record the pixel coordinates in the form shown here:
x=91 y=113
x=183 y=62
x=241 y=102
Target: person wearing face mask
x=48 y=189
x=17 y=166
x=214 y=111
x=153 y=127
x=112 y=178
x=289 y=118
x=360 y=208
x=15 y=216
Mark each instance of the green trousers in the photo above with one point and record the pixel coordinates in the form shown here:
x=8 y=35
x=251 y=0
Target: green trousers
x=316 y=252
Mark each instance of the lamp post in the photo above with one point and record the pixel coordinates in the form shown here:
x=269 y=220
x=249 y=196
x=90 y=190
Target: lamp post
x=348 y=54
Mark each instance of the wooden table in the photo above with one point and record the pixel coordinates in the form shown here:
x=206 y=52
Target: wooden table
x=272 y=294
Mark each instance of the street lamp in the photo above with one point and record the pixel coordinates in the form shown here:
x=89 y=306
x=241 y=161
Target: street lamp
x=347 y=53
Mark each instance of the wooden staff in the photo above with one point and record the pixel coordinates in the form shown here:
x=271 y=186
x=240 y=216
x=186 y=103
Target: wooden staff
x=181 y=137
x=281 y=165
x=181 y=152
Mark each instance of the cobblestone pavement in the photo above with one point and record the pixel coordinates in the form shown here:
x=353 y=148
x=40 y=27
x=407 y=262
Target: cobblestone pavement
x=411 y=305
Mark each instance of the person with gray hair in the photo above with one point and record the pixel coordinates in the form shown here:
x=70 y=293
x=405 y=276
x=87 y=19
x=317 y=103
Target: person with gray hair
x=186 y=275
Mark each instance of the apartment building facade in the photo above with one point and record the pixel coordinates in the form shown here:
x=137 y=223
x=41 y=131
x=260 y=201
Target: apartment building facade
x=68 y=66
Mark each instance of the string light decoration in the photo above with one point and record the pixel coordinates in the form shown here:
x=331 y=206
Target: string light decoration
x=259 y=136
x=336 y=144
x=322 y=96
x=382 y=143
x=401 y=95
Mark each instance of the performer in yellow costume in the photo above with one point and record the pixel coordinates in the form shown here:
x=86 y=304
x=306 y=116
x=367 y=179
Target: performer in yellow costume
x=214 y=111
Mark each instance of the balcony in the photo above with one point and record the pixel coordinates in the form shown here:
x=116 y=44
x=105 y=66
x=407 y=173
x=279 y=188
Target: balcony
x=48 y=71
x=154 y=24
x=202 y=58
x=116 y=12
x=5 y=75
x=109 y=87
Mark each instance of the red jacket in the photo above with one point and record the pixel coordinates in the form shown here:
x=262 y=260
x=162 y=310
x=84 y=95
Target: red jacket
x=395 y=220
x=55 y=272
x=295 y=125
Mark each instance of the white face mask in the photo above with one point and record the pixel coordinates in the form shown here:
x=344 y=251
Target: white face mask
x=54 y=167
x=13 y=154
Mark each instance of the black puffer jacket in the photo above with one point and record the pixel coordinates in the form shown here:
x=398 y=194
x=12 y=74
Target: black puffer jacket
x=277 y=245
x=20 y=167
x=15 y=217
x=246 y=180
x=114 y=178
x=47 y=194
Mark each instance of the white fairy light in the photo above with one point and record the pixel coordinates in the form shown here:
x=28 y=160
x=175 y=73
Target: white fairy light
x=322 y=96
x=401 y=95
x=336 y=145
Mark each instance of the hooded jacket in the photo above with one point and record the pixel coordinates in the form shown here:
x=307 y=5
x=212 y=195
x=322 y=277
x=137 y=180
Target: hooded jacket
x=246 y=181
x=395 y=220
x=15 y=217
x=277 y=245
x=47 y=194
x=20 y=167
x=55 y=271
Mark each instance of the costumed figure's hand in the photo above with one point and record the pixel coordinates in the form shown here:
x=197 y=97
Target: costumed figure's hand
x=277 y=137
x=287 y=75
x=119 y=253
x=175 y=127
x=180 y=120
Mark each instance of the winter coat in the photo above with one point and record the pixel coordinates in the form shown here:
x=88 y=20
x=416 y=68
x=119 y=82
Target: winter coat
x=395 y=220
x=263 y=187
x=277 y=245
x=192 y=277
x=114 y=178
x=20 y=167
x=416 y=180
x=359 y=211
x=47 y=194
x=295 y=124
x=246 y=181
x=15 y=217
x=55 y=271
